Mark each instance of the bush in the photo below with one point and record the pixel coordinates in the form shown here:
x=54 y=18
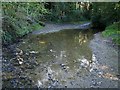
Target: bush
x=20 y=18
x=113 y=31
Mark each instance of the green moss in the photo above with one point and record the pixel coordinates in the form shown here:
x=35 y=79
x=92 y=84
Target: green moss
x=36 y=26
x=113 y=31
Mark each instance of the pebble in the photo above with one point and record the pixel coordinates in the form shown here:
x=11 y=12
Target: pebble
x=62 y=65
x=23 y=42
x=67 y=67
x=94 y=83
x=56 y=56
x=71 y=83
x=100 y=82
x=39 y=84
x=118 y=76
x=55 y=83
x=112 y=69
x=84 y=63
x=20 y=62
x=19 y=51
x=33 y=52
x=27 y=53
x=100 y=73
x=49 y=86
x=65 y=86
x=91 y=86
x=42 y=42
x=49 y=70
x=51 y=50
x=64 y=56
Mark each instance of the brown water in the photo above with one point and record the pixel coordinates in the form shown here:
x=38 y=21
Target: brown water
x=59 y=59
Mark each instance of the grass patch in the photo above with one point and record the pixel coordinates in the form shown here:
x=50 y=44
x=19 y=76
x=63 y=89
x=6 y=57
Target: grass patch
x=37 y=26
x=113 y=32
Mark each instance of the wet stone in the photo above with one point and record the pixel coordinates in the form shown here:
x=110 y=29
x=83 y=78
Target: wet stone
x=55 y=83
x=62 y=65
x=8 y=68
x=65 y=86
x=94 y=83
x=71 y=83
x=33 y=52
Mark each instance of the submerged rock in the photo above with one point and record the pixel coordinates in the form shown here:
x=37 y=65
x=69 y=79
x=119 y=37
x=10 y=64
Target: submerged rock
x=19 y=51
x=39 y=83
x=49 y=70
x=20 y=60
x=33 y=52
x=84 y=63
x=62 y=65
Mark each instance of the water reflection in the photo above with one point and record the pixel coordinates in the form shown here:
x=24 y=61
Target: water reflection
x=63 y=54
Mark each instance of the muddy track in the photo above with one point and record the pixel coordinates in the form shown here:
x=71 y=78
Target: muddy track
x=57 y=27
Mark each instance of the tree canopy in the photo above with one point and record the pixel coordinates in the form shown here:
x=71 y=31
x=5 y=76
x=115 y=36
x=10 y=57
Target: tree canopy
x=20 y=18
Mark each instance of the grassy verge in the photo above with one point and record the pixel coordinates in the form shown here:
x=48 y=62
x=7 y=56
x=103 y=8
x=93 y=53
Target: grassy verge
x=37 y=26
x=113 y=31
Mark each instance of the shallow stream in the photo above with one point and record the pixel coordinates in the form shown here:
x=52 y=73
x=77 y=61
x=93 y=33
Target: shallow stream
x=55 y=60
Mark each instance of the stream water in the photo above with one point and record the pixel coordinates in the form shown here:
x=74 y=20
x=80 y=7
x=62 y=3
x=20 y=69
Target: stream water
x=53 y=60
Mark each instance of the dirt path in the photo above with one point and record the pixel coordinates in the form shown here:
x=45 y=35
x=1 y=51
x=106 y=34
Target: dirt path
x=57 y=27
x=107 y=58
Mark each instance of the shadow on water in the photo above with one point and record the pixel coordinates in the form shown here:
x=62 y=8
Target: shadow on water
x=49 y=60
